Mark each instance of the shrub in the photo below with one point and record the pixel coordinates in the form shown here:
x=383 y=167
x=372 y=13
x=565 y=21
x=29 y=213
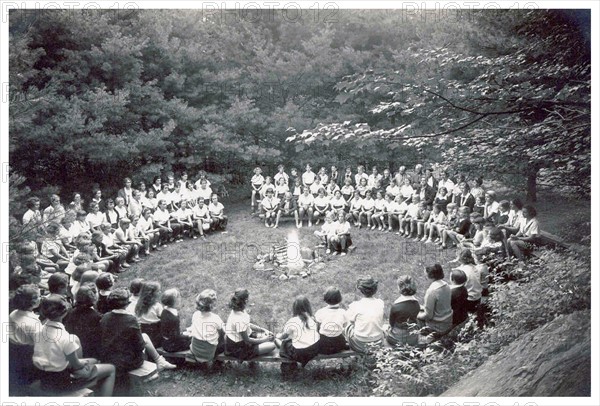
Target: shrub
x=554 y=283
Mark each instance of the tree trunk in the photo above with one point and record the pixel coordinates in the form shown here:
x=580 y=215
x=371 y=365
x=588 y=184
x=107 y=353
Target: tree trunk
x=532 y=185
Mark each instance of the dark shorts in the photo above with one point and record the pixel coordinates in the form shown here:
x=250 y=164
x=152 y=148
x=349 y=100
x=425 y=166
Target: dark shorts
x=332 y=345
x=240 y=350
x=301 y=355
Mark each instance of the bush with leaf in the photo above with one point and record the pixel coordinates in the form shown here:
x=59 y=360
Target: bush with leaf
x=552 y=284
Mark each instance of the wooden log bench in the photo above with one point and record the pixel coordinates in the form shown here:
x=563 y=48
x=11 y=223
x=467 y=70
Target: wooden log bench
x=272 y=357
x=550 y=240
x=146 y=373
x=35 y=389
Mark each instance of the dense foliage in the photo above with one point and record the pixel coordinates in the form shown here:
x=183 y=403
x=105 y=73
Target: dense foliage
x=98 y=95
x=510 y=99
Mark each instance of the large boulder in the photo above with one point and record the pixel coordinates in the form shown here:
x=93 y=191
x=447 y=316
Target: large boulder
x=553 y=360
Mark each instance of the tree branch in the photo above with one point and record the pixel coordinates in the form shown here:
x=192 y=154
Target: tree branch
x=443 y=132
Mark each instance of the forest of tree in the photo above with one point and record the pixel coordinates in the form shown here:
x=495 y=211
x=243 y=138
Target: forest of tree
x=99 y=95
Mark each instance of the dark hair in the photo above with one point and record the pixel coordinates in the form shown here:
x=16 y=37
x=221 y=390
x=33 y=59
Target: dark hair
x=52 y=228
x=26 y=296
x=302 y=309
x=32 y=201
x=53 y=306
x=135 y=286
x=435 y=272
x=406 y=285
x=118 y=299
x=332 y=296
x=149 y=296
x=495 y=234
x=466 y=257
x=205 y=300
x=532 y=211
x=517 y=202
x=104 y=281
x=169 y=297
x=238 y=300
x=458 y=276
x=57 y=281
x=367 y=285
x=87 y=295
x=504 y=204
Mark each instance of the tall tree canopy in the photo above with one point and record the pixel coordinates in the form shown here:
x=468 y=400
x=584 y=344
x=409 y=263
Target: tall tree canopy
x=515 y=105
x=97 y=95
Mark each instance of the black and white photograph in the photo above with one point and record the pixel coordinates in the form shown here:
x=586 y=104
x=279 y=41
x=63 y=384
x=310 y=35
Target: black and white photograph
x=288 y=203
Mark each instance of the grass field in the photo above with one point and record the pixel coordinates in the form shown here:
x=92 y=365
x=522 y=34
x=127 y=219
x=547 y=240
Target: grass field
x=224 y=263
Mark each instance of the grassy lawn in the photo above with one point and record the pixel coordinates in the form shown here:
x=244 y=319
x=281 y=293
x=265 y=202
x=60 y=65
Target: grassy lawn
x=224 y=263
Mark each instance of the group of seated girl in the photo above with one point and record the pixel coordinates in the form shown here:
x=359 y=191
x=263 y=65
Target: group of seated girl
x=418 y=205
x=135 y=222
x=86 y=347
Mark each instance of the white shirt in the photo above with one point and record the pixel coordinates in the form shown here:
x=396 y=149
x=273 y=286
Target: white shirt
x=216 y=209
x=50 y=352
x=95 y=220
x=301 y=335
x=406 y=191
x=144 y=225
x=161 y=216
x=393 y=190
x=31 y=215
x=357 y=203
x=529 y=227
x=343 y=228
x=338 y=203
x=321 y=203
x=257 y=180
x=152 y=315
x=308 y=178
x=237 y=322
x=380 y=205
x=367 y=315
x=280 y=175
x=269 y=203
x=164 y=196
x=24 y=327
x=473 y=283
x=368 y=204
x=201 y=212
x=329 y=229
x=332 y=320
x=205 y=194
x=448 y=184
x=306 y=200
x=206 y=326
x=373 y=179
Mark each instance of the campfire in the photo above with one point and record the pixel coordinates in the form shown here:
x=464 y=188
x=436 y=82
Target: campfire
x=289 y=260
